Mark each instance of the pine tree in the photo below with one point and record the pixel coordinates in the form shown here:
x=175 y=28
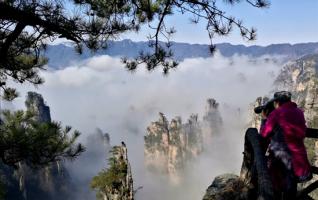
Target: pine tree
x=27 y=25
x=23 y=139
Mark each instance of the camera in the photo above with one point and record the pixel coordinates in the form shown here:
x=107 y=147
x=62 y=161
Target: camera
x=268 y=107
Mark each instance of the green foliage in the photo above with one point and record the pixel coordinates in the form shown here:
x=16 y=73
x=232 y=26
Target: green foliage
x=9 y=94
x=37 y=144
x=111 y=178
x=27 y=25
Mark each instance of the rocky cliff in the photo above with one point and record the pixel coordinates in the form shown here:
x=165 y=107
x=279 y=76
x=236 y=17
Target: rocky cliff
x=35 y=104
x=227 y=187
x=300 y=77
x=169 y=146
x=116 y=182
x=212 y=120
x=52 y=182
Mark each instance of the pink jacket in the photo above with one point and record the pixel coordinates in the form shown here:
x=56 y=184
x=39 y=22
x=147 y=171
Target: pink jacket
x=292 y=121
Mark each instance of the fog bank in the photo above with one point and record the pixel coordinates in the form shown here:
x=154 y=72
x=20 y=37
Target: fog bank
x=99 y=92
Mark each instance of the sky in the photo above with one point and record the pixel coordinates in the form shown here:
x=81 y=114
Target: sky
x=99 y=93
x=285 y=21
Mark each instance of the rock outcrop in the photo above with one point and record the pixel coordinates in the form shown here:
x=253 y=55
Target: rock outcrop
x=51 y=182
x=115 y=183
x=212 y=121
x=212 y=116
x=169 y=146
x=226 y=187
x=35 y=104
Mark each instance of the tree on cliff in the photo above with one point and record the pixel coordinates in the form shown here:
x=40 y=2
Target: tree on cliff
x=110 y=178
x=27 y=25
x=37 y=144
x=30 y=140
x=24 y=140
x=116 y=181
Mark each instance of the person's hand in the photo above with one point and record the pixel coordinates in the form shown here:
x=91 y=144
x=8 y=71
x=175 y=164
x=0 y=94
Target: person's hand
x=264 y=114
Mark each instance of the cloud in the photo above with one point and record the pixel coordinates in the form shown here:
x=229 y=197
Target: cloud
x=99 y=92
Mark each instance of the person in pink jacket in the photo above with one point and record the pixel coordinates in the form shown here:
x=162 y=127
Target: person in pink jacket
x=285 y=129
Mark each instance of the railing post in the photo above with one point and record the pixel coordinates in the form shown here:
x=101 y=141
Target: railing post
x=254 y=166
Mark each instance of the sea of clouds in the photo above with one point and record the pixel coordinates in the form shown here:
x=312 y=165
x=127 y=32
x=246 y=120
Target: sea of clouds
x=101 y=93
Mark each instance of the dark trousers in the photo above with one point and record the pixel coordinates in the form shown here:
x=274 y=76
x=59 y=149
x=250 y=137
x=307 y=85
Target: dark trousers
x=284 y=181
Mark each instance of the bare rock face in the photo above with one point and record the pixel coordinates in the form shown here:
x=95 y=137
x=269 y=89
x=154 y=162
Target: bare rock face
x=212 y=116
x=35 y=103
x=169 y=146
x=193 y=137
x=226 y=187
x=157 y=145
x=301 y=78
x=212 y=121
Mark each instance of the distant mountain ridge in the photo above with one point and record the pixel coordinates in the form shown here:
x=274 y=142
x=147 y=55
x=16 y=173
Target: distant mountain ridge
x=61 y=55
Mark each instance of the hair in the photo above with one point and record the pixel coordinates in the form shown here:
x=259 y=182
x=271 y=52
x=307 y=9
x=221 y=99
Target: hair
x=283 y=100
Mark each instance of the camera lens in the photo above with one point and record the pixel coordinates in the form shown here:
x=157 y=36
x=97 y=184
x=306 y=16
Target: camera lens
x=258 y=109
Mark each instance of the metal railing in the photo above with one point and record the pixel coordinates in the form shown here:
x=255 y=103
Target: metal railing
x=254 y=171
